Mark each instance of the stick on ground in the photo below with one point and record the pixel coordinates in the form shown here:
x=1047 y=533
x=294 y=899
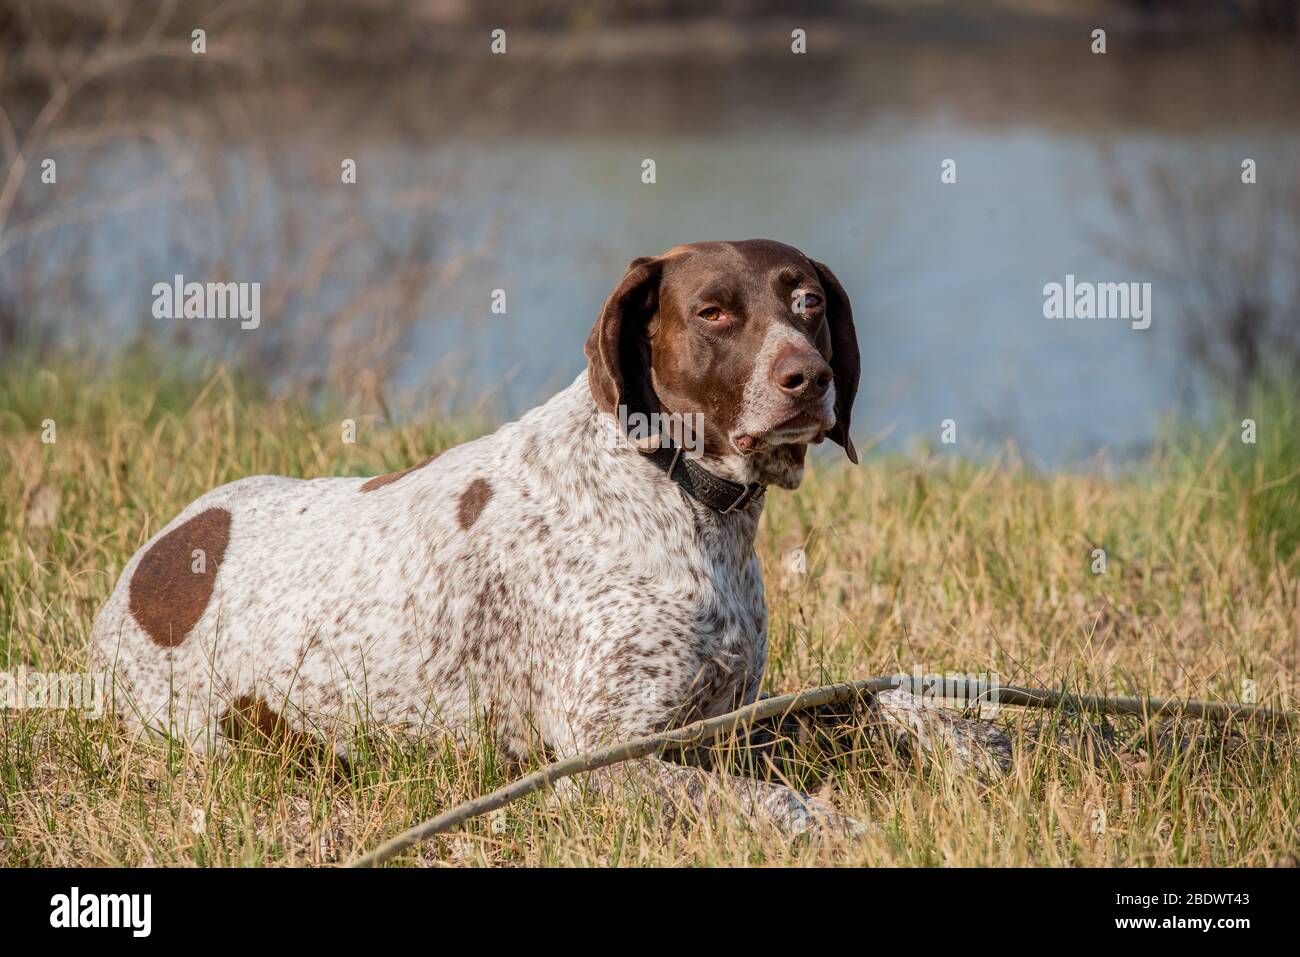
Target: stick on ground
x=707 y=729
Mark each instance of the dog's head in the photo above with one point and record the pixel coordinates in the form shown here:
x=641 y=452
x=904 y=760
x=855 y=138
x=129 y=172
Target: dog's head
x=752 y=335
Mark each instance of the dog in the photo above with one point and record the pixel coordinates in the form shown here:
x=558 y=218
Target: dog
x=575 y=586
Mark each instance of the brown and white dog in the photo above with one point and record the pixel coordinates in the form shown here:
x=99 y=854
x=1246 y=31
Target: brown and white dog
x=578 y=588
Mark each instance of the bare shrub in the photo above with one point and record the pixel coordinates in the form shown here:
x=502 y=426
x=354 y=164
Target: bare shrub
x=1229 y=252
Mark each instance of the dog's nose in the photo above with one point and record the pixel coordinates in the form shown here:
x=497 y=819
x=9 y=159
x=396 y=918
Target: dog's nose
x=801 y=373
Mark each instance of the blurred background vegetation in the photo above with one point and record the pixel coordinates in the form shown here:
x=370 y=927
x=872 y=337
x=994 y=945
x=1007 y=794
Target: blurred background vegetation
x=521 y=172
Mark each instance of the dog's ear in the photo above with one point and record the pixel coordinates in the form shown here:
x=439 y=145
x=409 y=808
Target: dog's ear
x=618 y=352
x=846 y=365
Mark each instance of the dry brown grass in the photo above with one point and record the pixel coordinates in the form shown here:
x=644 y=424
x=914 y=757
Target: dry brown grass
x=917 y=562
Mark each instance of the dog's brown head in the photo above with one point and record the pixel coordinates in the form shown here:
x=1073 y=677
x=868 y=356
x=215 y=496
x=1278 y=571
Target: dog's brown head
x=753 y=335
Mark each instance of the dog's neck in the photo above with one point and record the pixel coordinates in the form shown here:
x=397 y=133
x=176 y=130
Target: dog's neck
x=586 y=443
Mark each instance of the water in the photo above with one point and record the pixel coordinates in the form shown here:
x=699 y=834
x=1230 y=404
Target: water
x=543 y=181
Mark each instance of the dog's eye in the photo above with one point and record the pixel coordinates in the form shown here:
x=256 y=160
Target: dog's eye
x=710 y=314
x=806 y=302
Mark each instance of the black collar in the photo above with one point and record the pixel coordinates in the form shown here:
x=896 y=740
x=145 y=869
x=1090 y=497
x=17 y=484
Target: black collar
x=722 y=495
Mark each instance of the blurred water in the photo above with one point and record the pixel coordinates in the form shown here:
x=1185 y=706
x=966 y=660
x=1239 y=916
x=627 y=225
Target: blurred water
x=946 y=280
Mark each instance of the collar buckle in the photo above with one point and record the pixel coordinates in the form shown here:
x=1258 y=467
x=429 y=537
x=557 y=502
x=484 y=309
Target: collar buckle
x=750 y=492
x=677 y=456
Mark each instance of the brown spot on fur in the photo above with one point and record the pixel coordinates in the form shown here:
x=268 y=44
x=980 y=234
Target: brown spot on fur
x=250 y=718
x=379 y=481
x=472 y=502
x=166 y=596
x=251 y=721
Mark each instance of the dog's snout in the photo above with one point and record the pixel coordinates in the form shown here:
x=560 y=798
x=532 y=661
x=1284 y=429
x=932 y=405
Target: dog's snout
x=801 y=373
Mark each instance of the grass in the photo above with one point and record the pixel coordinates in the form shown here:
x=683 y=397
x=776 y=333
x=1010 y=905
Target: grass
x=925 y=561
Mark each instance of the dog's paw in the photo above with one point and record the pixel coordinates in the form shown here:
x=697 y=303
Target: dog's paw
x=812 y=817
x=929 y=732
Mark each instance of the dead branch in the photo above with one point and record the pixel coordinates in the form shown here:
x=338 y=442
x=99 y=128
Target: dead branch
x=699 y=732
